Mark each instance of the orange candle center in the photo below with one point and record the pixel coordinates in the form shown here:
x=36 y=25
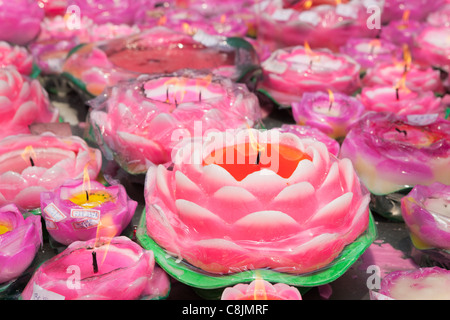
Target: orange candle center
x=240 y=160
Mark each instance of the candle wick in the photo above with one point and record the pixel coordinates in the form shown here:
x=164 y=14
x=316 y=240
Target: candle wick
x=31 y=161
x=94 y=261
x=176 y=103
x=402 y=131
x=372 y=47
x=258 y=157
x=87 y=195
x=331 y=104
x=200 y=96
x=397 y=94
x=167 y=95
x=310 y=64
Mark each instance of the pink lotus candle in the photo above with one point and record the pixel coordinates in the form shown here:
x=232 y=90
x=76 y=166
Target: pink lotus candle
x=235 y=200
x=20 y=21
x=261 y=290
x=418 y=284
x=391 y=153
x=16 y=56
x=418 y=9
x=368 y=51
x=20 y=239
x=440 y=18
x=426 y=212
x=290 y=72
x=401 y=100
x=116 y=12
x=140 y=122
x=105 y=64
x=403 y=31
x=23 y=102
x=332 y=113
x=80 y=210
x=418 y=78
x=307 y=132
x=322 y=26
x=433 y=48
x=99 y=269
x=32 y=164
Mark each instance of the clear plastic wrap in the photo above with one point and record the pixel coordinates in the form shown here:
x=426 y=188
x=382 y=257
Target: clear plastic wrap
x=20 y=240
x=31 y=164
x=391 y=153
x=294 y=216
x=80 y=210
x=139 y=122
x=122 y=271
x=93 y=67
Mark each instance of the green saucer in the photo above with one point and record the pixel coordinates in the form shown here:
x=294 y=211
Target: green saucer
x=197 y=278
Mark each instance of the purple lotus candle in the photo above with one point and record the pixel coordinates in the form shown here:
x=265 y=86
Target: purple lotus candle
x=403 y=31
x=20 y=239
x=368 y=51
x=426 y=212
x=332 y=113
x=391 y=152
x=433 y=47
x=418 y=9
x=82 y=209
x=440 y=18
x=418 y=284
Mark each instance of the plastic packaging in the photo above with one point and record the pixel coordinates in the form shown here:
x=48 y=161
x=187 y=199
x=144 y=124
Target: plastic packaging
x=294 y=216
x=139 y=122
x=157 y=50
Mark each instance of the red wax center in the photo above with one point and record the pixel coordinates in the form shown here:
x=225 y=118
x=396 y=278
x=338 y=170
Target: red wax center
x=243 y=159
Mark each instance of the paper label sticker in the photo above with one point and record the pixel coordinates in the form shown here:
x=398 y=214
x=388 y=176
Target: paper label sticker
x=85 y=214
x=85 y=224
x=54 y=213
x=40 y=293
x=50 y=225
x=422 y=119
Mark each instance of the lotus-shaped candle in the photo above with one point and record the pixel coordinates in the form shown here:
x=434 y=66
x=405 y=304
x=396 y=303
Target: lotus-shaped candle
x=53 y=7
x=402 y=31
x=307 y=132
x=417 y=9
x=20 y=21
x=99 y=269
x=290 y=72
x=261 y=290
x=417 y=78
x=139 y=122
x=31 y=164
x=249 y=199
x=433 y=48
x=418 y=284
x=441 y=17
x=369 y=51
x=426 y=212
x=401 y=100
x=23 y=101
x=17 y=56
x=80 y=210
x=332 y=113
x=104 y=11
x=391 y=153
x=157 y=50
x=20 y=240
x=322 y=26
